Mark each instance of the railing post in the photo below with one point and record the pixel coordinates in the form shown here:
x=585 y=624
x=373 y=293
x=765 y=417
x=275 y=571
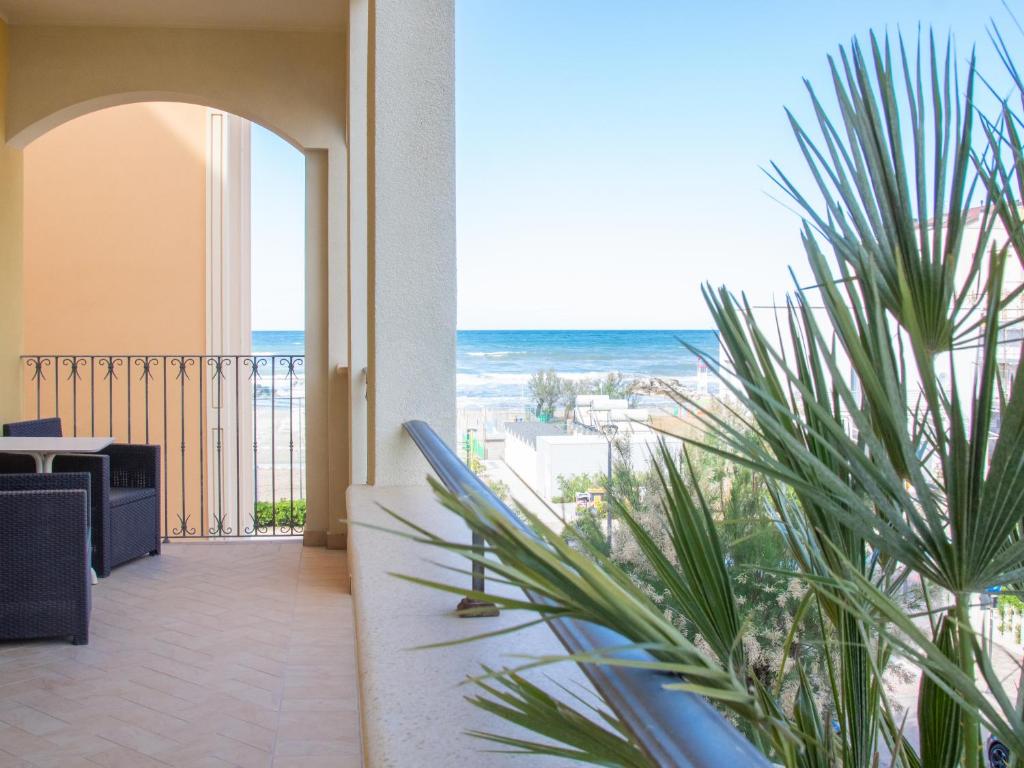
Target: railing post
x=474 y=607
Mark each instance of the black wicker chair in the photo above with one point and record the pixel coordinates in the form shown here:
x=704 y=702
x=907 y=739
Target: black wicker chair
x=45 y=584
x=125 y=493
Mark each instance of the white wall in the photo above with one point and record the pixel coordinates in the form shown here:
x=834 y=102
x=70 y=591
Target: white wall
x=643 y=447
x=568 y=455
x=966 y=360
x=576 y=455
x=521 y=458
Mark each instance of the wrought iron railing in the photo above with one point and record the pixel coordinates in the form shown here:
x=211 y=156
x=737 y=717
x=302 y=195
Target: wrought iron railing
x=672 y=727
x=231 y=429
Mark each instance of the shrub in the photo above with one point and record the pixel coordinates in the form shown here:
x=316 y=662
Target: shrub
x=287 y=515
x=569 y=486
x=500 y=489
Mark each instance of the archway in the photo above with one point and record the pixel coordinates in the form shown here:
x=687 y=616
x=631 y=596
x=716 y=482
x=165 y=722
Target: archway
x=154 y=335
x=25 y=135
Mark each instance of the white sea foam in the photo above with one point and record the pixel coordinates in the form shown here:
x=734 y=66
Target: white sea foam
x=507 y=383
x=463 y=380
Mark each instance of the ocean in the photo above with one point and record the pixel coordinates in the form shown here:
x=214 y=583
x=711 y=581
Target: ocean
x=494 y=367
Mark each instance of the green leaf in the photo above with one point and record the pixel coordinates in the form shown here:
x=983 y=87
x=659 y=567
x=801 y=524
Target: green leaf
x=591 y=735
x=814 y=734
x=938 y=714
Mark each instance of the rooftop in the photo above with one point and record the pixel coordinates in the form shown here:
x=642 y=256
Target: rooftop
x=529 y=431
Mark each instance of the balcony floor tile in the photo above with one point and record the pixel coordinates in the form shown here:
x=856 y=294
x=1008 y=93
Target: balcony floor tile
x=213 y=654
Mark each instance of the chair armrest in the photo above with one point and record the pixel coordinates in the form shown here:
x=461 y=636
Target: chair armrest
x=98 y=467
x=32 y=481
x=134 y=466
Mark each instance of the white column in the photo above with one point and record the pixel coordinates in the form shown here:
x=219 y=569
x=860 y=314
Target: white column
x=228 y=314
x=359 y=208
x=412 y=233
x=317 y=344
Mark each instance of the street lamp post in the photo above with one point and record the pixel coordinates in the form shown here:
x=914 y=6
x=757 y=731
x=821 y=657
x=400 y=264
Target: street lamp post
x=609 y=431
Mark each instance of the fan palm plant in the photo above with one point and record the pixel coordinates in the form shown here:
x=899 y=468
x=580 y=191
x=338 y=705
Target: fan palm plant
x=866 y=406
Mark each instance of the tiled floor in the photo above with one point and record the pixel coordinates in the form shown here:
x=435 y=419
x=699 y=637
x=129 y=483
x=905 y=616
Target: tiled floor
x=227 y=653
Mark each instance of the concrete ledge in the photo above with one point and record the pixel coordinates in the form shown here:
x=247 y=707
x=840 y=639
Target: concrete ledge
x=412 y=704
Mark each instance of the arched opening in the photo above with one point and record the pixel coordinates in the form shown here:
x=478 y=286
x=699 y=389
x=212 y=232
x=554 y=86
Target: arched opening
x=146 y=257
x=25 y=136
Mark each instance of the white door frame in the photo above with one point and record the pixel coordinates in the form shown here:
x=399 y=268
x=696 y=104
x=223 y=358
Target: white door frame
x=228 y=315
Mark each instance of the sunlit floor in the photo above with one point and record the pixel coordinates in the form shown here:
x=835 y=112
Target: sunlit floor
x=213 y=654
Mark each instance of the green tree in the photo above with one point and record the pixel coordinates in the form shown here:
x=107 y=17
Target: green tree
x=616 y=386
x=569 y=391
x=545 y=389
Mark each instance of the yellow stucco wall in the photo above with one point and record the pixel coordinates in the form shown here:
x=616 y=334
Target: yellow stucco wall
x=10 y=254
x=115 y=263
x=115 y=233
x=115 y=240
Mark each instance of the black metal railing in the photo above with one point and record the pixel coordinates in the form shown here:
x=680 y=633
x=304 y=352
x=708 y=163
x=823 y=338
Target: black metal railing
x=674 y=728
x=231 y=429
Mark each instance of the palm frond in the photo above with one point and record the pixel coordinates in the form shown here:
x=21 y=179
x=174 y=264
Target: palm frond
x=585 y=733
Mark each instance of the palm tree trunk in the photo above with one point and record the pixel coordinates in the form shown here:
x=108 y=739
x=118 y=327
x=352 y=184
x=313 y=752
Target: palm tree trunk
x=972 y=734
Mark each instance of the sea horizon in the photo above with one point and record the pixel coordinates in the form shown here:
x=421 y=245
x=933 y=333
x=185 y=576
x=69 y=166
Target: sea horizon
x=493 y=367
x=301 y=331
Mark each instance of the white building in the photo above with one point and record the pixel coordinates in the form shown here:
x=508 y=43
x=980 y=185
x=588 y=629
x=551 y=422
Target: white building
x=967 y=357
x=539 y=453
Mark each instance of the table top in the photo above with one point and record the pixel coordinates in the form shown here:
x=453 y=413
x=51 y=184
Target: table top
x=54 y=444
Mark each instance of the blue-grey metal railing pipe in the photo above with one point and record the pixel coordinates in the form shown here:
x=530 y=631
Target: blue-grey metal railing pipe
x=674 y=728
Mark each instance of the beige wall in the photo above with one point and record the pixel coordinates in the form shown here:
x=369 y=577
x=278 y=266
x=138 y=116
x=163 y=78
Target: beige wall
x=115 y=233
x=10 y=254
x=291 y=82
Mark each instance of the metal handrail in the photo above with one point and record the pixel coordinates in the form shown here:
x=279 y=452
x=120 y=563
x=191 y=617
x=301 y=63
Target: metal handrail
x=674 y=728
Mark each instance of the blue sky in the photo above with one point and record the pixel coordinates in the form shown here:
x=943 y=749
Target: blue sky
x=610 y=155
x=278 y=233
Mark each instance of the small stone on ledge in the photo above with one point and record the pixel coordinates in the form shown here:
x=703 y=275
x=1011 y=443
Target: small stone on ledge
x=469 y=608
